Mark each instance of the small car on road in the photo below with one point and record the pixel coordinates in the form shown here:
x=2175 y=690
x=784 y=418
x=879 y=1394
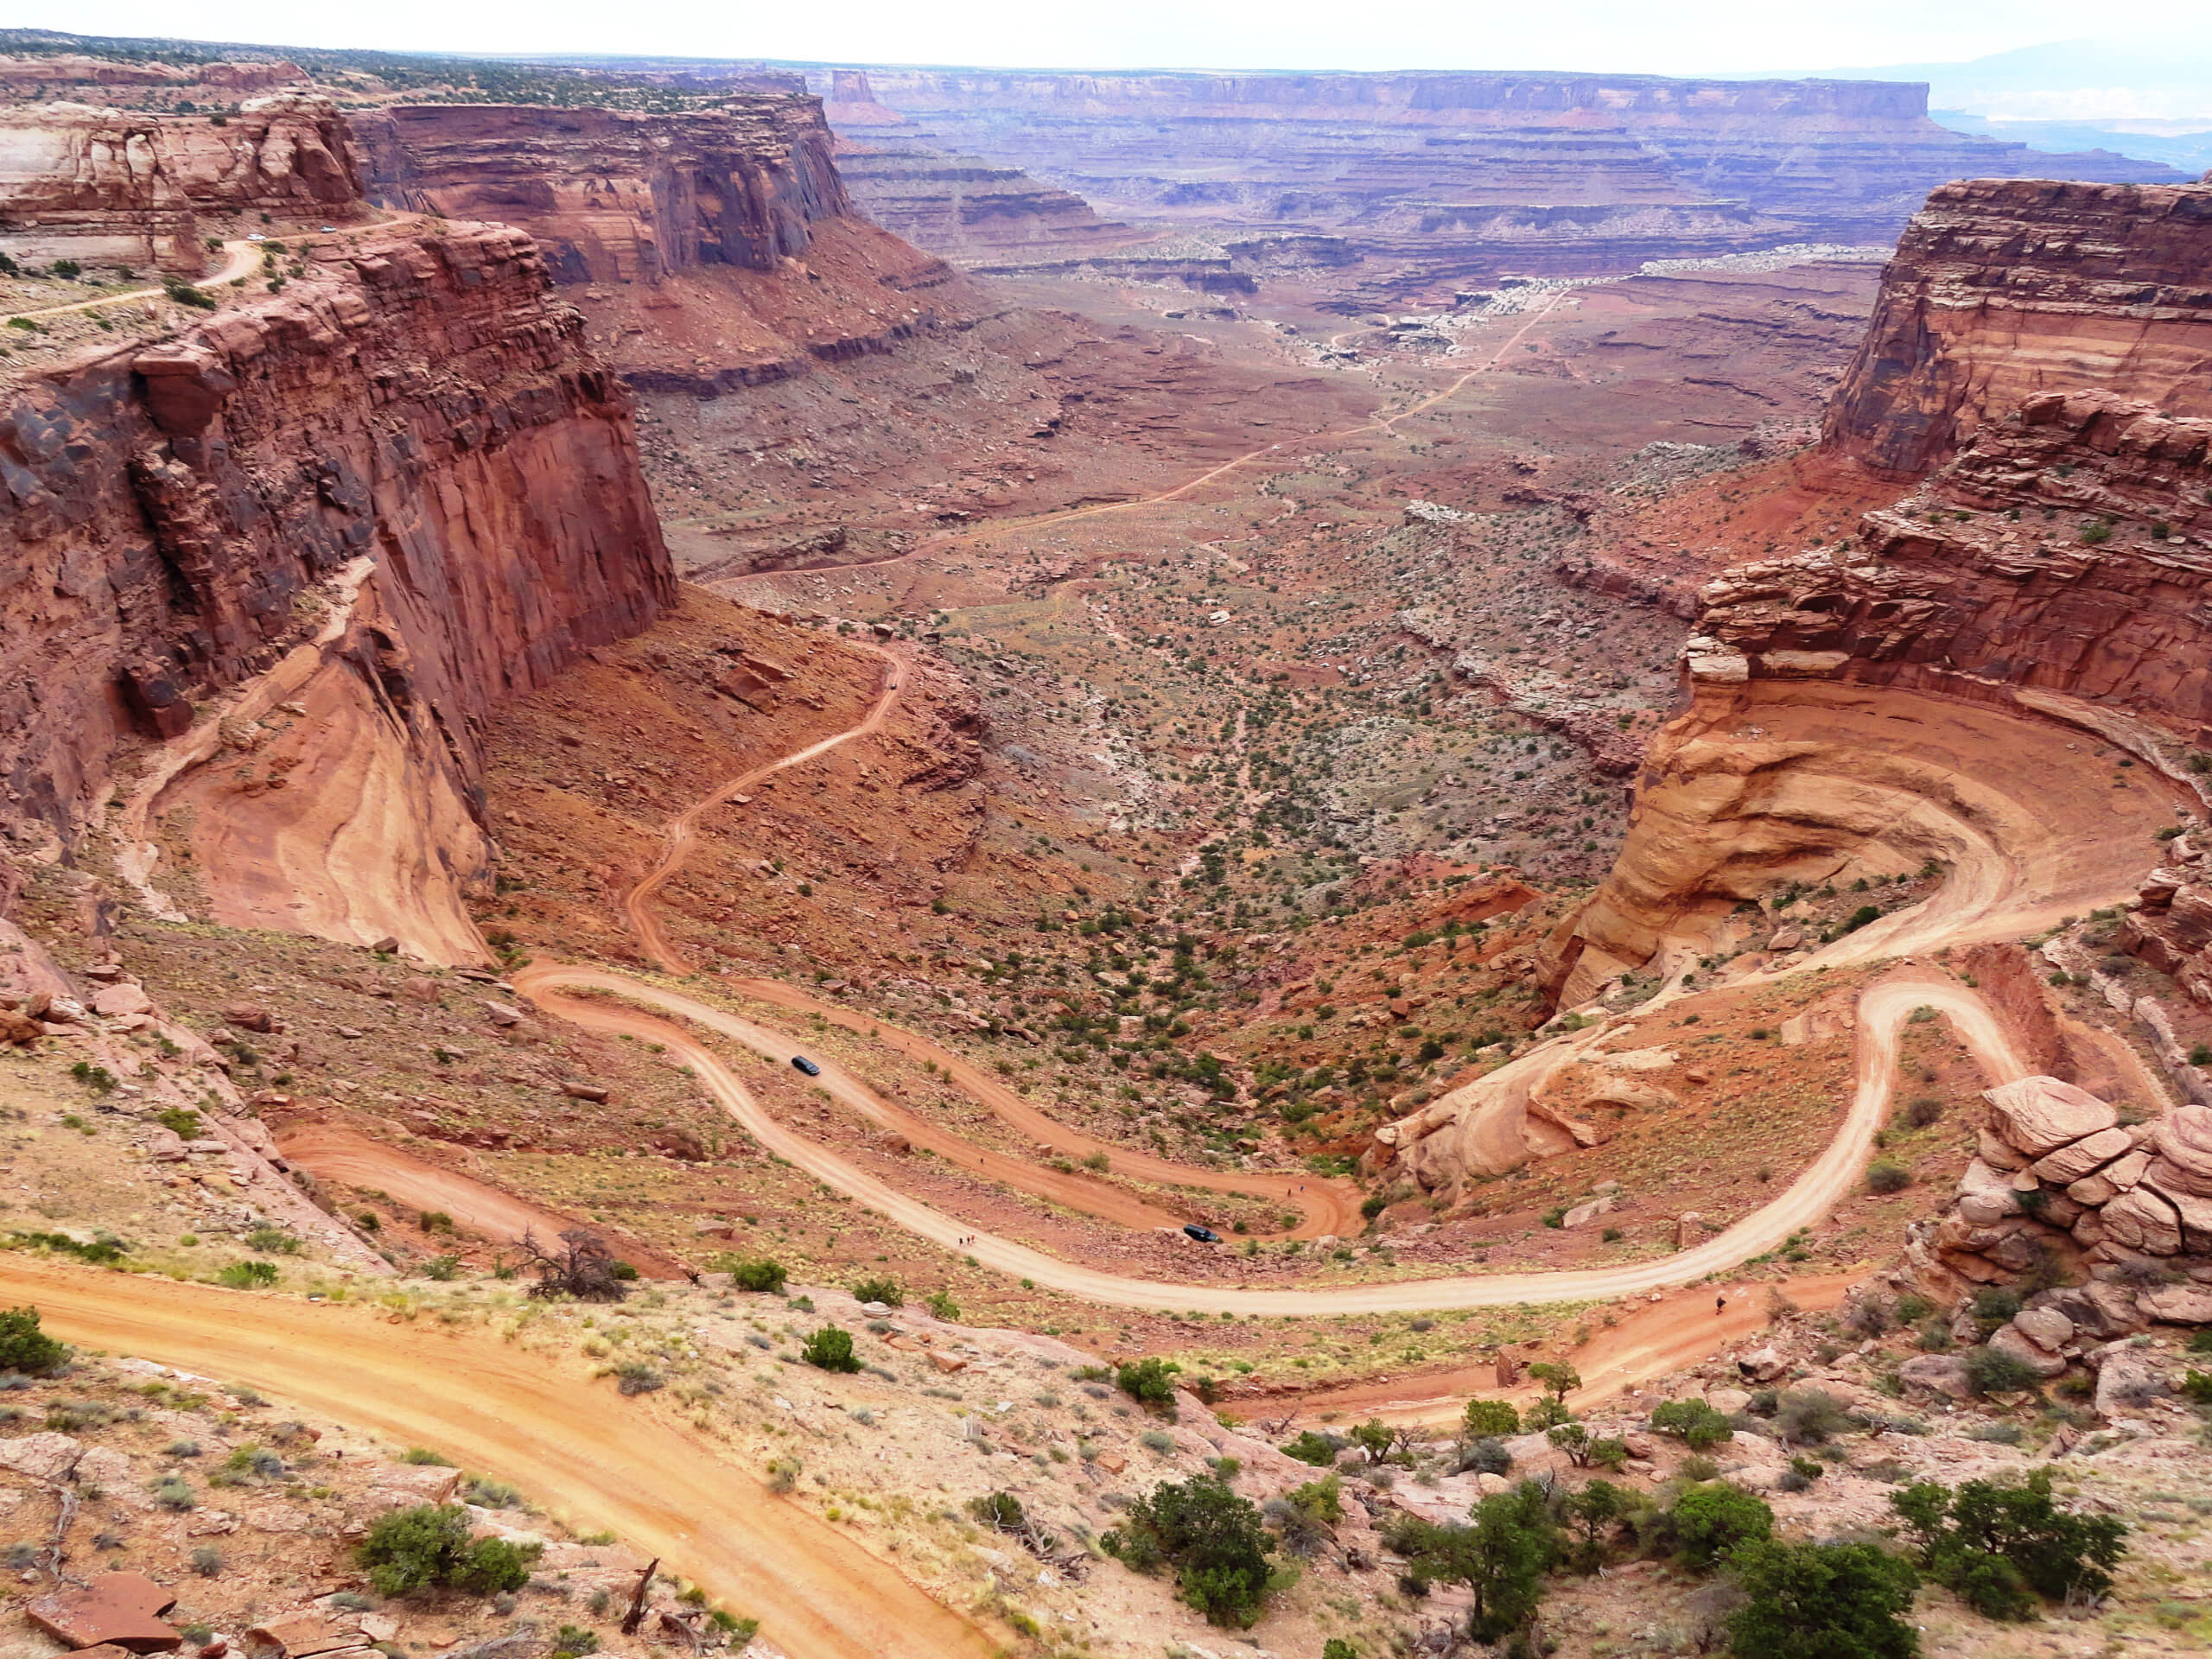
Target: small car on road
x=806 y=1065
x=1204 y=1235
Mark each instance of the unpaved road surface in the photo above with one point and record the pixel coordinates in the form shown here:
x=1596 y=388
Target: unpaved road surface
x=1883 y=1009
x=681 y=833
x=574 y=1445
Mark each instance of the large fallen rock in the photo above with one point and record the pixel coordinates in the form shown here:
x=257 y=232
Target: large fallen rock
x=2184 y=1140
x=1943 y=1374
x=2010 y=1340
x=2039 y=1115
x=120 y=1610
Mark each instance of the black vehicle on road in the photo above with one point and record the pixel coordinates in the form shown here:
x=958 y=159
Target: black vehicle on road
x=806 y=1065
x=1204 y=1235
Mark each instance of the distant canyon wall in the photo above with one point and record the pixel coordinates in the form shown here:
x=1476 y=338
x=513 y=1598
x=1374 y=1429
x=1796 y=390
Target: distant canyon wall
x=112 y=186
x=612 y=195
x=2002 y=290
x=1471 y=173
x=390 y=497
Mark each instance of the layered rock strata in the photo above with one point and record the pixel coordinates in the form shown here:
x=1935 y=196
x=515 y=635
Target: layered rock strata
x=111 y=187
x=968 y=208
x=381 y=502
x=2003 y=290
x=1466 y=176
x=2053 y=573
x=2061 y=1187
x=711 y=249
x=612 y=195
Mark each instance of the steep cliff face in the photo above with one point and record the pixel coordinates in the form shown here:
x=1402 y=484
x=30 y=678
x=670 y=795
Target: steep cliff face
x=711 y=249
x=2002 y=290
x=1929 y=691
x=613 y=196
x=963 y=207
x=109 y=186
x=379 y=504
x=1603 y=170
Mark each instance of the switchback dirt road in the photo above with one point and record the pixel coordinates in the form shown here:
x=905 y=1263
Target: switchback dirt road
x=1883 y=1010
x=574 y=1445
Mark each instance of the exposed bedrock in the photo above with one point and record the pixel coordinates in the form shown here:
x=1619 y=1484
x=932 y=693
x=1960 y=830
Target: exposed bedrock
x=711 y=249
x=131 y=188
x=1476 y=173
x=614 y=196
x=2002 y=290
x=389 y=499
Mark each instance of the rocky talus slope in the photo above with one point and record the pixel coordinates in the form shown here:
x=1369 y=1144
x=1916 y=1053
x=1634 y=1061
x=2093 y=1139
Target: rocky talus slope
x=107 y=186
x=2002 y=290
x=383 y=501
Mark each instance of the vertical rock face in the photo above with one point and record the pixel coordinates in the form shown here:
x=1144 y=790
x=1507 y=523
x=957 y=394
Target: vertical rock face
x=2004 y=288
x=396 y=494
x=111 y=186
x=615 y=196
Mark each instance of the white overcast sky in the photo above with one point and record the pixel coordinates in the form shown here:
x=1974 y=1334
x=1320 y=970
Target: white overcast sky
x=1647 y=36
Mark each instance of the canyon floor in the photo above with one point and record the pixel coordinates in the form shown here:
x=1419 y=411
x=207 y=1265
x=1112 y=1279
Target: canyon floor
x=1135 y=748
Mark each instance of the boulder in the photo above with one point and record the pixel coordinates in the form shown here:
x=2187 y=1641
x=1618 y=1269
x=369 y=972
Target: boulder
x=2008 y=1340
x=2184 y=1139
x=2141 y=1220
x=2112 y=1181
x=114 y=1001
x=2128 y=1379
x=1762 y=1364
x=2046 y=1327
x=1986 y=1196
x=297 y=1635
x=2090 y=1153
x=1727 y=1401
x=2178 y=1303
x=43 y=1456
x=122 y=1610
x=249 y=1016
x=2097 y=1309
x=1943 y=1374
x=1994 y=1153
x=2165 y=1180
x=1584 y=1213
x=596 y=1092
x=2038 y=1115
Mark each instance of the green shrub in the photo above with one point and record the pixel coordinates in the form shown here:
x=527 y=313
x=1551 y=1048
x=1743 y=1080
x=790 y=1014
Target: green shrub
x=1319 y=1449
x=430 y=1547
x=1988 y=1539
x=1211 y=1538
x=1321 y=1499
x=1000 y=1511
x=1884 y=1176
x=1692 y=1422
x=1486 y=1419
x=248 y=1275
x=1832 y=1601
x=1337 y=1647
x=574 y=1642
x=1809 y=1416
x=1150 y=1382
x=762 y=1274
x=26 y=1349
x=942 y=1305
x=1707 y=1522
x=185 y=1125
x=635 y=1376
x=884 y=1291
x=830 y=1349
x=1500 y=1556
x=1992 y=1370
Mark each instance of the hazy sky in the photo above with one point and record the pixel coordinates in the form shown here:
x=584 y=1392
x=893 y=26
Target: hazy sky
x=1640 y=35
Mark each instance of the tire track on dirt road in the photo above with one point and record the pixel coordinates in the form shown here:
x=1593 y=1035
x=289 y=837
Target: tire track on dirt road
x=569 y=1442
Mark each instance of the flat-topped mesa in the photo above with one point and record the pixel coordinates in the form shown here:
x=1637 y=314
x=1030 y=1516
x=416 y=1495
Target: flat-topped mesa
x=963 y=206
x=1435 y=166
x=2003 y=288
x=116 y=186
x=399 y=493
x=612 y=195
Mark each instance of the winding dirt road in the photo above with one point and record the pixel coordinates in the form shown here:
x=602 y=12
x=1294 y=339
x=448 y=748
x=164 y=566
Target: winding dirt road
x=681 y=833
x=1883 y=1009
x=574 y=1445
